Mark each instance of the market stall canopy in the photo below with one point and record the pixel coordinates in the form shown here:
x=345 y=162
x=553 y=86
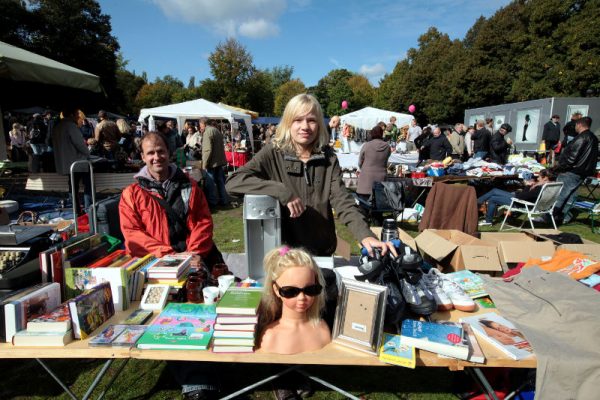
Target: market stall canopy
x=368 y=117
x=251 y=113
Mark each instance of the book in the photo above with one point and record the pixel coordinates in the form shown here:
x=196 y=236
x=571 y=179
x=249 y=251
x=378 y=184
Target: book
x=435 y=337
x=170 y=266
x=86 y=257
x=107 y=335
x=234 y=327
x=177 y=282
x=392 y=352
x=27 y=338
x=233 y=342
x=80 y=245
x=475 y=353
x=470 y=282
x=240 y=301
x=9 y=297
x=155 y=297
x=118 y=335
x=79 y=279
x=107 y=259
x=180 y=326
x=138 y=317
x=485 y=302
x=237 y=319
x=233 y=349
x=170 y=275
x=29 y=306
x=57 y=320
x=234 y=334
x=91 y=309
x=500 y=333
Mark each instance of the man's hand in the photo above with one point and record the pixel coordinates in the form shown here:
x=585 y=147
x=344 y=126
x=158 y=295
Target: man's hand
x=296 y=207
x=370 y=242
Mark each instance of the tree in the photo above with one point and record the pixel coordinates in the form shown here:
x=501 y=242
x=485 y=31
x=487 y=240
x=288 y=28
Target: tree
x=285 y=92
x=192 y=83
x=280 y=75
x=332 y=89
x=363 y=92
x=260 y=94
x=161 y=92
x=231 y=66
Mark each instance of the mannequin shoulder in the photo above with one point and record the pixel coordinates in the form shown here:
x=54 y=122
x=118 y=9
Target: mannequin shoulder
x=323 y=331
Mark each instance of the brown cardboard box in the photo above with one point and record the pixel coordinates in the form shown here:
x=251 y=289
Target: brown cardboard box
x=512 y=253
x=455 y=250
x=497 y=237
x=402 y=235
x=591 y=250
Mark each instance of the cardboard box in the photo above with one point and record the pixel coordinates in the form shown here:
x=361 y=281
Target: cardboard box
x=591 y=250
x=543 y=234
x=497 y=237
x=512 y=253
x=402 y=235
x=455 y=250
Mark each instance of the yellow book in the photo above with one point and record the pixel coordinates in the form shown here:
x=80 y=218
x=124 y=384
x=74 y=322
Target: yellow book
x=392 y=352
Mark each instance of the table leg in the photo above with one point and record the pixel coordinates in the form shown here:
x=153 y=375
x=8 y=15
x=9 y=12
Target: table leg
x=482 y=381
x=99 y=377
x=259 y=383
x=57 y=379
x=115 y=376
x=329 y=385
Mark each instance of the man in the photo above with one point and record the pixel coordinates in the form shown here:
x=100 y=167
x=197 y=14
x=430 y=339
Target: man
x=481 y=141
x=38 y=137
x=413 y=132
x=213 y=158
x=393 y=136
x=69 y=146
x=500 y=146
x=165 y=212
x=551 y=133
x=107 y=133
x=569 y=129
x=438 y=145
x=457 y=141
x=577 y=161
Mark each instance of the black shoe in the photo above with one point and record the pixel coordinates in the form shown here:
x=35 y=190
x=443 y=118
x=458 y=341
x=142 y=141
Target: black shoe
x=200 y=394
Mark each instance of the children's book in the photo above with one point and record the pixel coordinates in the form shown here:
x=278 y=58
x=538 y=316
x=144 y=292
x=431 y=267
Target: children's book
x=12 y=296
x=500 y=333
x=392 y=352
x=240 y=301
x=435 y=337
x=180 y=326
x=91 y=309
x=57 y=320
x=118 y=335
x=106 y=337
x=470 y=282
x=138 y=317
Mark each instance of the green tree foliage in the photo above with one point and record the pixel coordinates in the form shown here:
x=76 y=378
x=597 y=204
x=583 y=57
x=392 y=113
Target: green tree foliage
x=161 y=92
x=332 y=89
x=231 y=66
x=285 y=92
x=280 y=75
x=363 y=93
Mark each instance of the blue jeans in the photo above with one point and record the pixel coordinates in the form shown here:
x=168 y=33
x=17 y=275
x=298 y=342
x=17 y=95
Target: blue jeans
x=495 y=198
x=571 y=182
x=38 y=149
x=210 y=190
x=218 y=176
x=480 y=154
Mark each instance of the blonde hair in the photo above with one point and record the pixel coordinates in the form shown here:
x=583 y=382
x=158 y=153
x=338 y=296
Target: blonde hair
x=123 y=126
x=300 y=104
x=276 y=262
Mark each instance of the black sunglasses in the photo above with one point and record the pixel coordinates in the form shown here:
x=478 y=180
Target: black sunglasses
x=289 y=292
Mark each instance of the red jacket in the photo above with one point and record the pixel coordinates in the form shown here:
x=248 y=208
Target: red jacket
x=145 y=228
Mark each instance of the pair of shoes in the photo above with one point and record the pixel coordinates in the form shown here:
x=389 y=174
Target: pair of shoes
x=417 y=295
x=285 y=394
x=200 y=394
x=485 y=223
x=460 y=300
x=434 y=284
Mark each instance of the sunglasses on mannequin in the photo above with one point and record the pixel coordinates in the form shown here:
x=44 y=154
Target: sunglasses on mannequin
x=289 y=292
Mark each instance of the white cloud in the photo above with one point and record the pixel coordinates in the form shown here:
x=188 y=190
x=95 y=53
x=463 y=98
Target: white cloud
x=251 y=18
x=334 y=62
x=374 y=70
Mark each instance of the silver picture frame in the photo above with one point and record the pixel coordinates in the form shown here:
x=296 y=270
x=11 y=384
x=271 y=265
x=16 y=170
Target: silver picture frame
x=359 y=315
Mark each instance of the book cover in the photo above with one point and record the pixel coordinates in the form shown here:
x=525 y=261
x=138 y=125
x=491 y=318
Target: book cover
x=239 y=300
x=57 y=320
x=91 y=309
x=392 y=352
x=11 y=296
x=500 y=333
x=485 y=302
x=106 y=337
x=171 y=263
x=435 y=337
x=129 y=336
x=235 y=327
x=37 y=339
x=237 y=319
x=79 y=279
x=233 y=334
x=138 y=317
x=233 y=349
x=470 y=282
x=233 y=342
x=180 y=326
x=30 y=306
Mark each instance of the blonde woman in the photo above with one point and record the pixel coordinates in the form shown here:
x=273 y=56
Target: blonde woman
x=18 y=138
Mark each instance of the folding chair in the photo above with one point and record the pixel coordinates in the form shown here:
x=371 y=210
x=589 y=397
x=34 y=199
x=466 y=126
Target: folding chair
x=543 y=205
x=593 y=209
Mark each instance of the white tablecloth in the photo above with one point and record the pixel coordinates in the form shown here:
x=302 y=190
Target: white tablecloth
x=350 y=160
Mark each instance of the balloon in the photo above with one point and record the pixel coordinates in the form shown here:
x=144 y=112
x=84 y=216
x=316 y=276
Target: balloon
x=412 y=108
x=344 y=104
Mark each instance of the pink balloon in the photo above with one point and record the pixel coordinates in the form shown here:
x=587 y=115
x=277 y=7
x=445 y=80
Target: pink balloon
x=412 y=108
x=344 y=104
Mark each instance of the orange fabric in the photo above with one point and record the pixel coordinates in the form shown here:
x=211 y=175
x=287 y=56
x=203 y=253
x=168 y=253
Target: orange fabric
x=145 y=228
x=568 y=262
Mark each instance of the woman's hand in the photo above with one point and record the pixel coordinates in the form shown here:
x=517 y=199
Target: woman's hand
x=370 y=242
x=296 y=207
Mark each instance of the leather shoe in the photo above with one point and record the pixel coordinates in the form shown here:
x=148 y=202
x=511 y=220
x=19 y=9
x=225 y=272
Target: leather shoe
x=200 y=394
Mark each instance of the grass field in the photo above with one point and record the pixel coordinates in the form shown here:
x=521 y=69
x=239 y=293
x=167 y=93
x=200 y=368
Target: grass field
x=141 y=379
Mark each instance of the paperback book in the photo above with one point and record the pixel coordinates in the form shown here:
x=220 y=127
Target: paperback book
x=435 y=337
x=240 y=301
x=138 y=317
x=500 y=333
x=171 y=266
x=470 y=282
x=91 y=309
x=118 y=335
x=237 y=319
x=41 y=339
x=180 y=326
x=57 y=320
x=393 y=352
x=12 y=296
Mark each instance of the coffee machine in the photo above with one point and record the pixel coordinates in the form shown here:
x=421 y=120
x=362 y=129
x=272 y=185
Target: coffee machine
x=262 y=231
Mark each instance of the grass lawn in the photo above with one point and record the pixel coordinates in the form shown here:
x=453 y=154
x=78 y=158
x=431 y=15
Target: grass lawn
x=142 y=379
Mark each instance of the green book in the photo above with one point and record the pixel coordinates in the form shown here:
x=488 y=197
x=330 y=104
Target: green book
x=240 y=301
x=180 y=326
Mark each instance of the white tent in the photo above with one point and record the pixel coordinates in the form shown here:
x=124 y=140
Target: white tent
x=194 y=109
x=368 y=117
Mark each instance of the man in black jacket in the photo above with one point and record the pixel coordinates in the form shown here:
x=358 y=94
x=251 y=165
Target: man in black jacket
x=577 y=161
x=551 y=134
x=438 y=145
x=499 y=147
x=569 y=129
x=481 y=141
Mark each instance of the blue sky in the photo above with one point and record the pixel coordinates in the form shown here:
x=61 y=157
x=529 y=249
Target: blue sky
x=175 y=37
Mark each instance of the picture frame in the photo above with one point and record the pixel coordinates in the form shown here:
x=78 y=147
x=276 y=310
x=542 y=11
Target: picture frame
x=155 y=297
x=360 y=315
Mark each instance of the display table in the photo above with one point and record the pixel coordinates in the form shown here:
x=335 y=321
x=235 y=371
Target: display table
x=236 y=158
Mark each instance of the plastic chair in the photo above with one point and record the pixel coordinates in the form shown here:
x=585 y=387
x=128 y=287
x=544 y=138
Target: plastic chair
x=543 y=205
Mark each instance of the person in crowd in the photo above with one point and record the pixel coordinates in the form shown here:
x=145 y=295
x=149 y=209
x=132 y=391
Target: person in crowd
x=165 y=212
x=481 y=141
x=334 y=128
x=413 y=133
x=106 y=134
x=291 y=305
x=87 y=130
x=18 y=140
x=391 y=131
x=551 y=132
x=372 y=162
x=69 y=146
x=126 y=140
x=569 y=129
x=498 y=197
x=469 y=142
x=500 y=145
x=37 y=132
x=457 y=141
x=438 y=145
x=576 y=162
x=193 y=143
x=420 y=144
x=489 y=125
x=213 y=158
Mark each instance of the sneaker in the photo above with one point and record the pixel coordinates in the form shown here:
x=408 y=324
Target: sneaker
x=434 y=284
x=409 y=292
x=485 y=223
x=460 y=300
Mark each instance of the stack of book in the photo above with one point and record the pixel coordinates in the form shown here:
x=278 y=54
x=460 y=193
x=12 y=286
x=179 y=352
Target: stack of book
x=236 y=320
x=171 y=269
x=50 y=329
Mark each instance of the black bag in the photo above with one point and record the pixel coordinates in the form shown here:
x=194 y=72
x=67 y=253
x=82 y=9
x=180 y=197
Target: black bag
x=107 y=216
